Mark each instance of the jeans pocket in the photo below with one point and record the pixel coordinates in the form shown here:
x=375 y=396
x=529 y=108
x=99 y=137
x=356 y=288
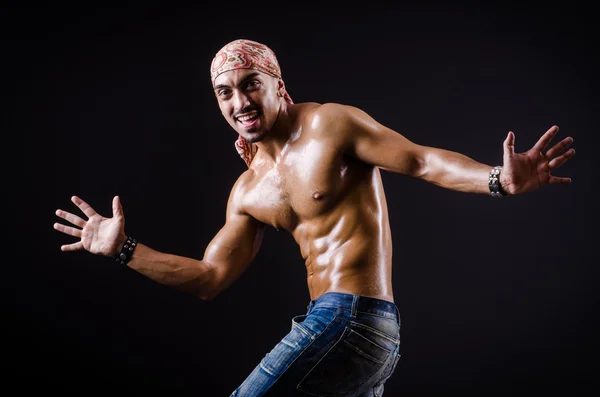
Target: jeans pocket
x=316 y=322
x=348 y=365
x=391 y=367
x=387 y=326
x=285 y=352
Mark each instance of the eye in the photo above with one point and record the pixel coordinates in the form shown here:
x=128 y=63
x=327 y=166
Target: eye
x=252 y=84
x=223 y=92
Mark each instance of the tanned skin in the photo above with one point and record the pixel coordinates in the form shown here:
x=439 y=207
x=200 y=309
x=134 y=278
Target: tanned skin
x=316 y=175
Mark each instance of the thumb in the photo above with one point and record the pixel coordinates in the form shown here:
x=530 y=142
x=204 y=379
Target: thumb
x=509 y=144
x=116 y=206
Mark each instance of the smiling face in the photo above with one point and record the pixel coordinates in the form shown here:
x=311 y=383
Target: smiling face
x=249 y=100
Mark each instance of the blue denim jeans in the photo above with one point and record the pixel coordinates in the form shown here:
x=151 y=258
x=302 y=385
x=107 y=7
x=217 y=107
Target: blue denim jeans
x=345 y=345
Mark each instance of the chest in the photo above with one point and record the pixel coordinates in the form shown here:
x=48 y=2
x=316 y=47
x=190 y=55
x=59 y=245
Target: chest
x=304 y=185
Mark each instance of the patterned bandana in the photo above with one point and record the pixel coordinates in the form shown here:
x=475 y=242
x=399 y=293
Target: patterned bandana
x=246 y=54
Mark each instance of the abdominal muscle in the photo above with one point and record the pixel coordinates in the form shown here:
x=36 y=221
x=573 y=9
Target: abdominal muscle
x=341 y=225
x=349 y=251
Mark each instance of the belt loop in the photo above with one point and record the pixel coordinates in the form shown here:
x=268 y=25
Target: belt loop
x=354 y=305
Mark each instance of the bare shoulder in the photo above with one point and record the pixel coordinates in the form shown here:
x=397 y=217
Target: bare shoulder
x=335 y=119
x=240 y=188
x=327 y=112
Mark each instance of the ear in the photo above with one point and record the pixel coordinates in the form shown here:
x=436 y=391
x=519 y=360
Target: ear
x=280 y=88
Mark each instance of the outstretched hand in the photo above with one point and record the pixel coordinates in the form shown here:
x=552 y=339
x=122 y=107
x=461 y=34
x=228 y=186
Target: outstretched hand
x=528 y=171
x=98 y=235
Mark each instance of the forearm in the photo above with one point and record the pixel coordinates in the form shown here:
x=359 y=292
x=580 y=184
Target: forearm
x=189 y=275
x=455 y=171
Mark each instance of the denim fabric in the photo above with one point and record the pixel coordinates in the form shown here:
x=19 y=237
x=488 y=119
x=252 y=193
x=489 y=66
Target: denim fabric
x=345 y=346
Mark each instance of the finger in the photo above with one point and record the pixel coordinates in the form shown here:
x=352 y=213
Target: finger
x=546 y=138
x=71 y=231
x=558 y=161
x=72 y=247
x=559 y=147
x=509 y=143
x=74 y=219
x=84 y=207
x=559 y=180
x=117 y=207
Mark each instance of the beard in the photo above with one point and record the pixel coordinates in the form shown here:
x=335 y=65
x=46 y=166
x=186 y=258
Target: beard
x=254 y=137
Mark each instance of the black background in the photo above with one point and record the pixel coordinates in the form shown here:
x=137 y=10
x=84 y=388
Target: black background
x=497 y=297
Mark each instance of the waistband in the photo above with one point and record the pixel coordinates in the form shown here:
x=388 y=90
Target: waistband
x=355 y=303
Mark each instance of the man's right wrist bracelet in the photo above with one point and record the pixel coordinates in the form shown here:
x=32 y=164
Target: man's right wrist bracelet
x=126 y=252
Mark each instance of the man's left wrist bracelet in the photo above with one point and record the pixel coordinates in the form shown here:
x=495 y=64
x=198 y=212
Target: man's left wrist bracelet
x=126 y=252
x=494 y=182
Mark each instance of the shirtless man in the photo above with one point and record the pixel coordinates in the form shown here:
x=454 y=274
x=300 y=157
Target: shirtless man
x=314 y=171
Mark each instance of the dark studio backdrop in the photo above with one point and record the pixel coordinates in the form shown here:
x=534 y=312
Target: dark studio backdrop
x=497 y=297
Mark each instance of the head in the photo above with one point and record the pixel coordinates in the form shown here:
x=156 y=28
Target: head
x=248 y=86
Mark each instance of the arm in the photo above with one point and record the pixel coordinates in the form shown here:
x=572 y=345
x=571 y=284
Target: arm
x=383 y=147
x=225 y=258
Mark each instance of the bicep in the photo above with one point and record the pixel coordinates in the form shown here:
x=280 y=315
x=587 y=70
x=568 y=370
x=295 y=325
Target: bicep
x=236 y=243
x=380 y=146
x=232 y=249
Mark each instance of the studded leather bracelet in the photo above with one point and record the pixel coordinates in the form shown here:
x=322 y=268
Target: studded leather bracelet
x=494 y=183
x=126 y=252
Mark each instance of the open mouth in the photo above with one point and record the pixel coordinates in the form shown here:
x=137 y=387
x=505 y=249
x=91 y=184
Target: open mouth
x=248 y=119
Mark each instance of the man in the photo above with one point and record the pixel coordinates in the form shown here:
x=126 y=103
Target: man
x=314 y=171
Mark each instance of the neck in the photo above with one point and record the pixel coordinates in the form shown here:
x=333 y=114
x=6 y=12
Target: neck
x=275 y=144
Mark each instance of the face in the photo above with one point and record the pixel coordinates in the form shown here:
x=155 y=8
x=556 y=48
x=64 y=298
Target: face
x=249 y=102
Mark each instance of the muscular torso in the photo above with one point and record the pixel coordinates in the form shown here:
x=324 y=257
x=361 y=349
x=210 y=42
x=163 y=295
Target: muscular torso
x=333 y=205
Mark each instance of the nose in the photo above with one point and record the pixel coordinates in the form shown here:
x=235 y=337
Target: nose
x=240 y=100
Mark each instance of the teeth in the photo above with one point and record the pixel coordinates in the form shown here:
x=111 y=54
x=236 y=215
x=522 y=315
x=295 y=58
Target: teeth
x=247 y=117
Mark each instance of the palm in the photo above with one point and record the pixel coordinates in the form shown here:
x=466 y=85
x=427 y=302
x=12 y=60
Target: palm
x=98 y=235
x=528 y=171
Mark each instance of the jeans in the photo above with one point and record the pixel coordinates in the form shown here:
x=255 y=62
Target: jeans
x=345 y=345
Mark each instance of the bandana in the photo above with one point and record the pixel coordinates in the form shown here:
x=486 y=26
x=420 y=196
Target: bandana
x=246 y=54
